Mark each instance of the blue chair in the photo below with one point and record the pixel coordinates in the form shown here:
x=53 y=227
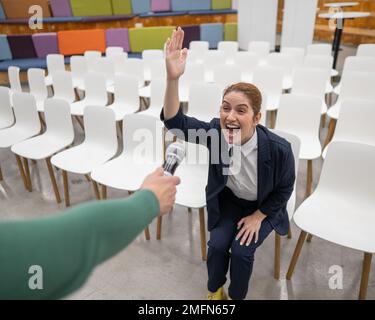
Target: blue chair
x=213 y=33
x=191 y=5
x=2 y=14
x=141 y=6
x=5 y=53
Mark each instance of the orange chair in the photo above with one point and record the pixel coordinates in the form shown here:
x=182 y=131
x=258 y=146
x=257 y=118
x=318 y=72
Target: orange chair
x=19 y=9
x=78 y=41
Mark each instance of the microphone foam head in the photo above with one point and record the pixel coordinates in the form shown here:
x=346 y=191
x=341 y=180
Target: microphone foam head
x=177 y=151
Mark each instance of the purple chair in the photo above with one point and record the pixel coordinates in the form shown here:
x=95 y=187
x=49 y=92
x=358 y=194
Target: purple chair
x=45 y=43
x=118 y=37
x=192 y=33
x=22 y=46
x=160 y=5
x=61 y=8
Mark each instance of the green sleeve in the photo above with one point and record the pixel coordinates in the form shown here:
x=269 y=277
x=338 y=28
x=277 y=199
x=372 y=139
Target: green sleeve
x=69 y=245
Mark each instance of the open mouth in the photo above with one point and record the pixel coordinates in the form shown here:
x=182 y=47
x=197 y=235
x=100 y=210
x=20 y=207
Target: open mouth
x=232 y=131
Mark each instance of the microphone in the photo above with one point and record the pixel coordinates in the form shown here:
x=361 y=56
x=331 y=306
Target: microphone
x=173 y=157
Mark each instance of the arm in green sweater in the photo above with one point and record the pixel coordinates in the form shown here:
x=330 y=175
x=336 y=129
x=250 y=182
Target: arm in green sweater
x=69 y=245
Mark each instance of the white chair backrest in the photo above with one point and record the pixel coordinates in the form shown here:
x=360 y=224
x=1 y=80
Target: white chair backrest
x=91 y=58
x=143 y=138
x=205 y=100
x=194 y=72
x=157 y=69
x=298 y=54
x=226 y=75
x=299 y=114
x=263 y=109
x=269 y=80
x=78 y=67
x=295 y=143
x=230 y=48
x=55 y=63
x=348 y=170
x=199 y=46
x=361 y=130
x=281 y=60
x=118 y=60
x=196 y=154
x=104 y=66
x=109 y=51
x=63 y=86
x=134 y=67
x=212 y=58
x=194 y=56
x=358 y=64
x=92 y=54
x=324 y=49
x=262 y=48
x=157 y=89
x=358 y=85
x=25 y=112
x=37 y=83
x=318 y=61
x=247 y=61
x=310 y=81
x=126 y=90
x=59 y=120
x=6 y=112
x=366 y=50
x=152 y=54
x=14 y=79
x=95 y=88
x=100 y=129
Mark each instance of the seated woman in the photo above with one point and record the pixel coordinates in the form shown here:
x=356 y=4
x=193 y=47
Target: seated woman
x=246 y=200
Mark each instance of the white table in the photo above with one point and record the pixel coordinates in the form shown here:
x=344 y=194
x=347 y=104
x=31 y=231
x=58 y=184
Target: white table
x=340 y=19
x=341 y=4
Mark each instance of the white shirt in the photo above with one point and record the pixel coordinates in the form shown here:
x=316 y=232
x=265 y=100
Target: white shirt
x=243 y=170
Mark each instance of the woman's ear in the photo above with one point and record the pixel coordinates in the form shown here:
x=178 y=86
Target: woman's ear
x=257 y=118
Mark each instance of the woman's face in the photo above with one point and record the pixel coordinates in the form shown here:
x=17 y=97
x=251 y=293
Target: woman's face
x=237 y=118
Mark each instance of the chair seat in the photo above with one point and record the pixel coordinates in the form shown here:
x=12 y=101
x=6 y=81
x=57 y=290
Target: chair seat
x=145 y=92
x=273 y=102
x=152 y=111
x=13 y=135
x=40 y=147
x=124 y=173
x=310 y=147
x=4 y=123
x=40 y=103
x=77 y=108
x=48 y=80
x=121 y=110
x=343 y=225
x=287 y=83
x=334 y=111
x=81 y=159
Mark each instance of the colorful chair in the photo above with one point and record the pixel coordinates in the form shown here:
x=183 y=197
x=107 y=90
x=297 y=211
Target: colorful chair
x=45 y=44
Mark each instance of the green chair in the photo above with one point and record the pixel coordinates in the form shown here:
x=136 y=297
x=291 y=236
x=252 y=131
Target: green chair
x=122 y=7
x=230 y=31
x=84 y=8
x=221 y=4
x=149 y=38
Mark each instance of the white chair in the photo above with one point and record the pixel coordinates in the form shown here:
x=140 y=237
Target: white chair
x=285 y=61
x=14 y=81
x=321 y=49
x=298 y=54
x=199 y=46
x=226 y=75
x=359 y=131
x=157 y=69
x=26 y=126
x=126 y=97
x=55 y=63
x=63 y=86
x=194 y=72
x=95 y=94
x=142 y=154
x=6 y=112
x=118 y=60
x=193 y=172
x=247 y=62
x=311 y=82
x=78 y=68
x=194 y=56
x=148 y=56
x=59 y=134
x=91 y=57
x=99 y=146
x=37 y=85
x=366 y=50
x=300 y=115
x=320 y=62
x=105 y=66
x=230 y=48
x=134 y=67
x=109 y=51
x=205 y=101
x=341 y=209
x=157 y=91
x=261 y=48
x=269 y=81
x=356 y=64
x=211 y=59
x=296 y=145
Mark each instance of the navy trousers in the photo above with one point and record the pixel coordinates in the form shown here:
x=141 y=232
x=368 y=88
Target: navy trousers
x=224 y=249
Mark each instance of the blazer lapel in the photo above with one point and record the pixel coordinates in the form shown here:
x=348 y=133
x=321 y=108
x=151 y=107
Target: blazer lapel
x=264 y=165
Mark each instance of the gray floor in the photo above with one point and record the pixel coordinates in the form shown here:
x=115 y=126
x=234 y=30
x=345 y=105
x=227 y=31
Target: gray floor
x=172 y=267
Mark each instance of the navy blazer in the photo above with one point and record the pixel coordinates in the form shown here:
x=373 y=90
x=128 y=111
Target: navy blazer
x=276 y=174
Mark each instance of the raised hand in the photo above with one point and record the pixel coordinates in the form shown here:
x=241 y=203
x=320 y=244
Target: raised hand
x=175 y=56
